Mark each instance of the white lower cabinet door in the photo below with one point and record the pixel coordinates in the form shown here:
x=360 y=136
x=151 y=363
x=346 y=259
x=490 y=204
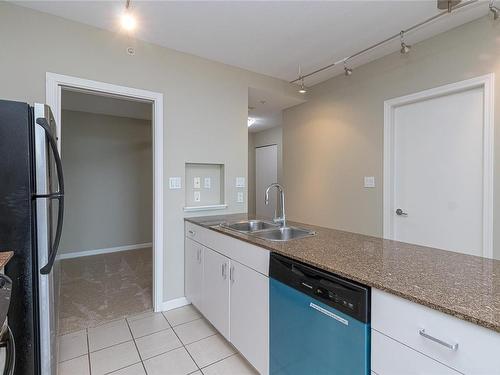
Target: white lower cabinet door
x=193 y=272
x=250 y=315
x=390 y=357
x=215 y=300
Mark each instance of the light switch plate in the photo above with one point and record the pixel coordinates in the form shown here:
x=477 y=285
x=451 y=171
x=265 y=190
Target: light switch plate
x=174 y=183
x=239 y=198
x=207 y=183
x=240 y=182
x=369 y=182
x=197 y=196
x=197 y=182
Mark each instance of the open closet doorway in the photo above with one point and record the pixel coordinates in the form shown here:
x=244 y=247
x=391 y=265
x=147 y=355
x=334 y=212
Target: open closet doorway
x=110 y=253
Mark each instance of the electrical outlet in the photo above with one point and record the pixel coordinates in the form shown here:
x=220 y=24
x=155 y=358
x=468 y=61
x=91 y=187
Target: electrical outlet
x=207 y=183
x=369 y=182
x=239 y=198
x=197 y=182
x=240 y=182
x=174 y=183
x=197 y=196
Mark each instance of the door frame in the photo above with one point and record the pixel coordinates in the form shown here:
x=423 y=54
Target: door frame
x=55 y=83
x=487 y=83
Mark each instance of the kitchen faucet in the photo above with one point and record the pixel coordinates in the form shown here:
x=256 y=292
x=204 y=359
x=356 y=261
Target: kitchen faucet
x=278 y=219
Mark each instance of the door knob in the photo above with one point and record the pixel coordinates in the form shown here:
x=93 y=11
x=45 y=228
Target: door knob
x=400 y=212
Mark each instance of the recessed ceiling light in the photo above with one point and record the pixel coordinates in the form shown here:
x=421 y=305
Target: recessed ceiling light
x=251 y=121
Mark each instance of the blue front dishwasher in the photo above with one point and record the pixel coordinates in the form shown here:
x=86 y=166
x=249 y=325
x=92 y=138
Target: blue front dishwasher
x=319 y=322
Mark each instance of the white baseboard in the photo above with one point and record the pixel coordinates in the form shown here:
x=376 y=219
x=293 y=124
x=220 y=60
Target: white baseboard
x=78 y=254
x=174 y=303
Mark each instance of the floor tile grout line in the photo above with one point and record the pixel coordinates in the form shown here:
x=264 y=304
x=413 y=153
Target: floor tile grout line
x=219 y=360
x=187 y=351
x=211 y=335
x=162 y=353
x=121 y=368
x=137 y=348
x=67 y=360
x=111 y=346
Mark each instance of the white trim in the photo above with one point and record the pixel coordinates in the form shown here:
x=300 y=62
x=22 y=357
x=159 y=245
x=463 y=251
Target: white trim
x=205 y=208
x=487 y=82
x=85 y=253
x=54 y=82
x=174 y=303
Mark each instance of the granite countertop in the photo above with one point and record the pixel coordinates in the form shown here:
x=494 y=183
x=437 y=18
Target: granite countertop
x=465 y=286
x=5 y=256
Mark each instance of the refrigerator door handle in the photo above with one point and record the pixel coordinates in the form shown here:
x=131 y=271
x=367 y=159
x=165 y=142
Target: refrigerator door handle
x=45 y=270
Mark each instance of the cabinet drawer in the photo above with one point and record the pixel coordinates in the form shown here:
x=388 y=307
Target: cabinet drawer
x=477 y=347
x=250 y=255
x=194 y=232
x=390 y=357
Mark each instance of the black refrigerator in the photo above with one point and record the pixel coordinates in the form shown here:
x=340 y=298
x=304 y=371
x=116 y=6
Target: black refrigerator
x=31 y=217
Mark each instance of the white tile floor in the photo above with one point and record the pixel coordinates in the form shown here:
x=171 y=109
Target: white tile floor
x=177 y=342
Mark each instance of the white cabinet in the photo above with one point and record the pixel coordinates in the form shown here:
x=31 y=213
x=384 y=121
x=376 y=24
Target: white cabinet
x=226 y=279
x=250 y=315
x=193 y=274
x=460 y=345
x=215 y=299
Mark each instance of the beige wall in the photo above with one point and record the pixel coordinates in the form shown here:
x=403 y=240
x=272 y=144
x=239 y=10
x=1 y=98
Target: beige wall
x=205 y=103
x=272 y=136
x=336 y=138
x=108 y=164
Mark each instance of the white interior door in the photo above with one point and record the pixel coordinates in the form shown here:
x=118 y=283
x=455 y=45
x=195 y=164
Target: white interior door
x=266 y=173
x=437 y=182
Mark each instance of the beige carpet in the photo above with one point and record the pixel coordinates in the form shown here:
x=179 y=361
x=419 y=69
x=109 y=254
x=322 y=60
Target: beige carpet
x=100 y=288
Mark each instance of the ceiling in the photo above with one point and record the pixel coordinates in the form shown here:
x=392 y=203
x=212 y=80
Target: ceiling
x=269 y=37
x=91 y=102
x=266 y=108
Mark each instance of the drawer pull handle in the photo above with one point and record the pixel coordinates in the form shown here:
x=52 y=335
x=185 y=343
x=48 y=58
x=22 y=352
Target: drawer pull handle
x=422 y=333
x=191 y=232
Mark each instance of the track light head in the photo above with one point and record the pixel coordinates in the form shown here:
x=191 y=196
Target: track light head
x=302 y=88
x=347 y=70
x=495 y=11
x=405 y=48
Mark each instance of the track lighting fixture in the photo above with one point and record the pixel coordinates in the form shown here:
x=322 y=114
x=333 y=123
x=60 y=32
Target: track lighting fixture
x=347 y=70
x=494 y=10
x=448 y=6
x=405 y=48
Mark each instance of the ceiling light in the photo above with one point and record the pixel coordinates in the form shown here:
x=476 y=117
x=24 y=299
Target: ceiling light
x=302 y=88
x=251 y=121
x=405 y=48
x=347 y=71
x=128 y=21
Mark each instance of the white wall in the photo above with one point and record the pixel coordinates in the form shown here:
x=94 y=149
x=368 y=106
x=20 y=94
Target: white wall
x=108 y=176
x=205 y=102
x=337 y=136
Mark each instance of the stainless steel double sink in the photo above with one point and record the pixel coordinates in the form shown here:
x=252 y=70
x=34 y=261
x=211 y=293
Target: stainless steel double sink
x=268 y=231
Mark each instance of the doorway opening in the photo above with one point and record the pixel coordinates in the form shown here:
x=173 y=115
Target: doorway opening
x=265 y=147
x=110 y=259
